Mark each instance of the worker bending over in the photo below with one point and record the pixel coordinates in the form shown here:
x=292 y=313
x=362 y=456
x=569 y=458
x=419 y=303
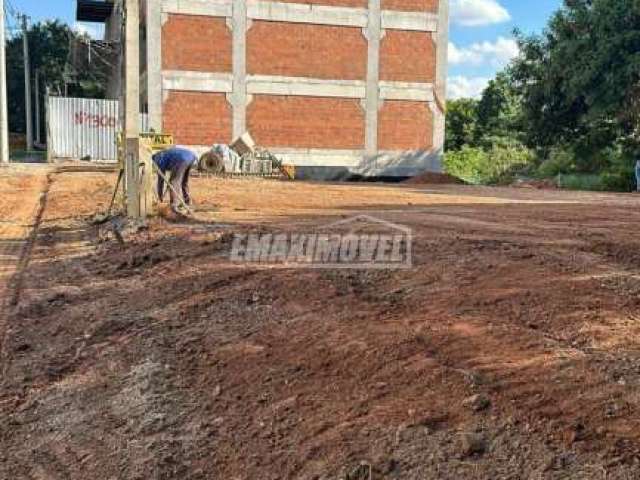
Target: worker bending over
x=176 y=162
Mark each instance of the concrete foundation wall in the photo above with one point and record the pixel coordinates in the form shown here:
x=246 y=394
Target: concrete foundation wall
x=328 y=84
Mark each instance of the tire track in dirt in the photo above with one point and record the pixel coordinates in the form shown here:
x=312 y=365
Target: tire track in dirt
x=17 y=239
x=16 y=282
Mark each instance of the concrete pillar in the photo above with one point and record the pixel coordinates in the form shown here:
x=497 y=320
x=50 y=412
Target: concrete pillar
x=154 y=63
x=132 y=107
x=373 y=33
x=238 y=97
x=442 y=44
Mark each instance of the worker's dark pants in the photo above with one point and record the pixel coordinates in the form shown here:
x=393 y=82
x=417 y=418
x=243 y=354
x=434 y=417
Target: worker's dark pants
x=180 y=183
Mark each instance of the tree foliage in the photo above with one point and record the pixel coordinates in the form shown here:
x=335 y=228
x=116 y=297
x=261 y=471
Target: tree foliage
x=493 y=119
x=462 y=117
x=499 y=111
x=580 y=80
x=50 y=45
x=572 y=96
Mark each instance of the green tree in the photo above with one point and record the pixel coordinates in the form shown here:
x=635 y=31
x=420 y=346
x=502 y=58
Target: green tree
x=499 y=113
x=50 y=45
x=462 y=116
x=580 y=80
x=493 y=119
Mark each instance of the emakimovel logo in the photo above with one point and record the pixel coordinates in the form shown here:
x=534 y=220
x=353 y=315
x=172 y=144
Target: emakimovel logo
x=362 y=242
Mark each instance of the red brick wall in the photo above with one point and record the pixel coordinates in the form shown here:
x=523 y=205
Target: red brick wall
x=306 y=122
x=332 y=3
x=196 y=43
x=407 y=56
x=201 y=43
x=303 y=50
x=405 y=125
x=196 y=118
x=411 y=5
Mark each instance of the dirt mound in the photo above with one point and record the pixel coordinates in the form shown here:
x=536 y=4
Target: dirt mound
x=545 y=184
x=432 y=178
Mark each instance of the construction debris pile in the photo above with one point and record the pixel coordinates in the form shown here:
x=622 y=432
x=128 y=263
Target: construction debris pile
x=243 y=158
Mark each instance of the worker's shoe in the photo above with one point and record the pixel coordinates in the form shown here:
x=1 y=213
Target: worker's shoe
x=180 y=210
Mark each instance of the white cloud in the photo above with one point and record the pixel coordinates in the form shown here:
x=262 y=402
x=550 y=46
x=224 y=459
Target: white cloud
x=496 y=54
x=477 y=13
x=466 y=87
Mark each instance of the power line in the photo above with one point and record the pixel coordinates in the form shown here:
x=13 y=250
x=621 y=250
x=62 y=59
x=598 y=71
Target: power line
x=9 y=4
x=11 y=13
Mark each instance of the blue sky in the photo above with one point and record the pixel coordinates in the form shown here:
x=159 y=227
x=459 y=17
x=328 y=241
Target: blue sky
x=480 y=42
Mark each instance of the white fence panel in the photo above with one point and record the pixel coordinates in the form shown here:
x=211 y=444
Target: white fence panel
x=85 y=128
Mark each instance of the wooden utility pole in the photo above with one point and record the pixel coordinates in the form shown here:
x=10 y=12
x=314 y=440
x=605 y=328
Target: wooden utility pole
x=132 y=107
x=4 y=120
x=27 y=83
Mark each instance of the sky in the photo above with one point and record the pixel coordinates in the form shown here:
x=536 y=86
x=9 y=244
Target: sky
x=481 y=41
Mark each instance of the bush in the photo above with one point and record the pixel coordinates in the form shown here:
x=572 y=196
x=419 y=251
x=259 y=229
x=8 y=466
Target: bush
x=496 y=165
x=506 y=162
x=619 y=181
x=467 y=164
x=610 y=169
x=581 y=181
x=619 y=175
x=561 y=160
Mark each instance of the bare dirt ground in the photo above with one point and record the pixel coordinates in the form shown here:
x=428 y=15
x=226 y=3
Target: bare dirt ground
x=511 y=350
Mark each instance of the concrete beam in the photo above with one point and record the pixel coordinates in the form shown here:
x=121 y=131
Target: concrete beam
x=302 y=13
x=415 y=21
x=197 y=81
x=319 y=157
x=305 y=13
x=275 y=85
x=342 y=163
x=295 y=86
x=418 y=92
x=212 y=8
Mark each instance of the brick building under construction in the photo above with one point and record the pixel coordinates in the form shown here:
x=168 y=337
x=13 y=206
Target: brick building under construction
x=336 y=87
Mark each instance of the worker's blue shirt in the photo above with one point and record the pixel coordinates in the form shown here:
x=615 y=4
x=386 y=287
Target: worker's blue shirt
x=170 y=159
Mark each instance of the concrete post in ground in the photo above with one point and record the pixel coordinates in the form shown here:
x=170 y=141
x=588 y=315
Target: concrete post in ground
x=132 y=107
x=4 y=119
x=37 y=107
x=47 y=129
x=27 y=84
x=147 y=177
